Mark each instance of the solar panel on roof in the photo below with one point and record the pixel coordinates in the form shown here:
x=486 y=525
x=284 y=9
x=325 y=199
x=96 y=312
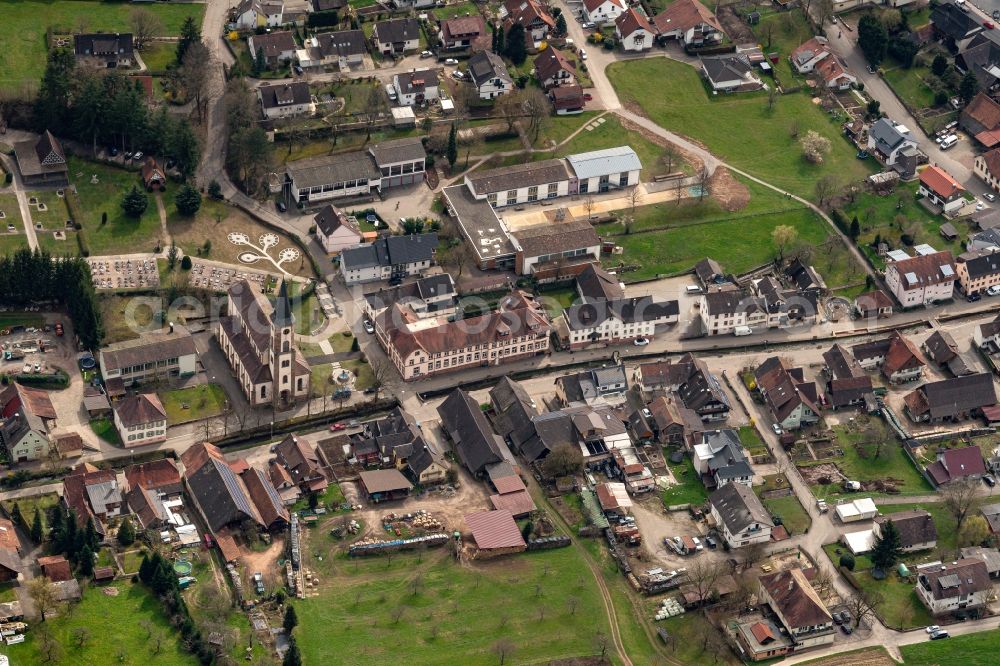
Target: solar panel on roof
x=947 y=271
x=233 y=486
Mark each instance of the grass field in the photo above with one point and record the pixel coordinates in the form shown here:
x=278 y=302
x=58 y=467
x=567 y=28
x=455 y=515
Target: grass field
x=27 y=505
x=556 y=300
x=10 y=242
x=788 y=30
x=979 y=649
x=765 y=147
x=213 y=222
x=909 y=84
x=689 y=490
x=789 y=509
x=890 y=216
x=121 y=234
x=900 y=607
x=458 y=612
x=202 y=401
x=751 y=441
x=97 y=612
x=451 y=11
x=106 y=430
x=159 y=55
x=892 y=463
x=25 y=22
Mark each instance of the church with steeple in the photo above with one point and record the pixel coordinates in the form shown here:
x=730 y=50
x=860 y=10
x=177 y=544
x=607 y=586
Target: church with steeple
x=259 y=343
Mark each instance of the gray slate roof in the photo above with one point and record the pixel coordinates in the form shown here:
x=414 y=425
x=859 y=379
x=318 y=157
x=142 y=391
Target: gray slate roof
x=487 y=65
x=739 y=507
x=330 y=169
x=391 y=251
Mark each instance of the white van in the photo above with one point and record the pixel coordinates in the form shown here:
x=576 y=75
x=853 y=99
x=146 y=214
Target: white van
x=949 y=141
x=742 y=330
x=690 y=290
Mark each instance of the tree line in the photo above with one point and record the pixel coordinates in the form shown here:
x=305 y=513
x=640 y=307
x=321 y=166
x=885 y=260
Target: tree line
x=36 y=276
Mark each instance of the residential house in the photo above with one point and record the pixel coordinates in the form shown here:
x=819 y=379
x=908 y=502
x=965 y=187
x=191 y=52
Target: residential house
x=41 y=161
x=416 y=87
x=140 y=419
x=979 y=56
x=147 y=507
x=978 y=270
x=553 y=68
x=790 y=399
x=740 y=516
x=512 y=410
x=336 y=231
x=302 y=463
x=730 y=73
x=761 y=639
x=104 y=50
x=952 y=23
x=963 y=585
x=724 y=309
x=489 y=74
x=720 y=459
x=903 y=362
x=532 y=15
x=517 y=329
x=153 y=357
x=92 y=494
x=833 y=72
x=603 y=12
x=344 y=49
x=615 y=322
x=848 y=385
x=921 y=280
x=430 y=296
x=664 y=376
x=805 y=278
x=384 y=485
x=991 y=514
x=56 y=568
x=874 y=303
x=277 y=47
x=258 y=341
x=981 y=119
x=951 y=399
x=634 y=31
x=10 y=553
x=218 y=491
x=474 y=442
x=915 y=528
x=590 y=386
x=798 y=608
x=464 y=33
x=263 y=494
x=941 y=189
x=942 y=349
x=396 y=440
x=987 y=167
x=520 y=183
x=285 y=100
x=158 y=476
x=27 y=420
x=673 y=423
x=595 y=431
x=987 y=336
x=710 y=274
x=253 y=14
x=887 y=141
x=954 y=464
x=152 y=175
x=689 y=22
x=396 y=37
x=808 y=55
x=567 y=99
x=699 y=390
x=603 y=170
x=989 y=556
x=388 y=258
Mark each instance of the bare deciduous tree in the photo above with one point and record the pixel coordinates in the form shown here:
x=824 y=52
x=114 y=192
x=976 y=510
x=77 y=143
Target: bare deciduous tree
x=634 y=197
x=503 y=648
x=670 y=157
x=81 y=636
x=862 y=604
x=824 y=189
x=959 y=498
x=702 y=574
x=145 y=26
x=43 y=594
x=194 y=74
x=381 y=370
x=752 y=554
x=572 y=603
x=601 y=641
x=704 y=175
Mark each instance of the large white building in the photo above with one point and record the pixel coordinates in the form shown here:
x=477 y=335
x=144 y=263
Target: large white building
x=616 y=321
x=603 y=170
x=140 y=419
x=285 y=100
x=153 y=356
x=336 y=231
x=388 y=258
x=960 y=585
x=258 y=342
x=924 y=279
x=740 y=515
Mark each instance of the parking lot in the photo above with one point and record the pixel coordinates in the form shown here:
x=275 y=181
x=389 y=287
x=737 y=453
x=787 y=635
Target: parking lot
x=131 y=271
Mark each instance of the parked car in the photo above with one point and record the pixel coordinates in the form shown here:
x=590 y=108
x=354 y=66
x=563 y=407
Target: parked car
x=972 y=298
x=113 y=151
x=988 y=25
x=589 y=25
x=340 y=425
x=369 y=326
x=342 y=394
x=370 y=390
x=258 y=582
x=980 y=205
x=640 y=342
x=583 y=54
x=989 y=480
x=458 y=75
x=938 y=635
x=137 y=156
x=587 y=97
x=38 y=367
x=931 y=629
x=777 y=429
x=298 y=69
x=281 y=206
x=59 y=329
x=836 y=618
x=846 y=628
x=710 y=542
x=996 y=14
x=994 y=290
x=989 y=196
x=426 y=54
x=450 y=61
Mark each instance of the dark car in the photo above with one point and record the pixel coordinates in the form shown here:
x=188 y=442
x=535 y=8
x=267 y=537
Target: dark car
x=370 y=390
x=989 y=480
x=112 y=151
x=836 y=618
x=846 y=628
x=972 y=298
x=845 y=616
x=298 y=69
x=281 y=206
x=710 y=542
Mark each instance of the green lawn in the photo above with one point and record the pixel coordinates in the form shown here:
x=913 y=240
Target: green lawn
x=55 y=214
x=321 y=378
x=159 y=55
x=97 y=612
x=330 y=498
x=121 y=234
x=451 y=11
x=740 y=128
x=27 y=505
x=131 y=561
x=900 y=606
x=193 y=403
x=910 y=85
x=689 y=490
x=555 y=129
x=106 y=430
x=11 y=243
x=891 y=216
x=25 y=23
x=892 y=463
x=362 y=371
x=751 y=441
x=789 y=509
x=788 y=31
x=979 y=649
x=557 y=300
x=458 y=612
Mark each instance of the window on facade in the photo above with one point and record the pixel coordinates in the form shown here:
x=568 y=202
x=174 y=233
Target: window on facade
x=553 y=190
x=533 y=193
x=492 y=199
x=285 y=363
x=584 y=186
x=623 y=180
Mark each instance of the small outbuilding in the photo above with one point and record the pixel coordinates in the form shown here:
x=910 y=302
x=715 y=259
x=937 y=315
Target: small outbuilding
x=855 y=510
x=495 y=533
x=385 y=485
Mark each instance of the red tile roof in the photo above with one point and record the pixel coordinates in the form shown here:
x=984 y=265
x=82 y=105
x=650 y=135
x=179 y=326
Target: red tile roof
x=762 y=633
x=517 y=503
x=55 y=568
x=509 y=484
x=153 y=475
x=8 y=537
x=984 y=110
x=631 y=21
x=902 y=355
x=494 y=529
x=685 y=14
x=940 y=181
